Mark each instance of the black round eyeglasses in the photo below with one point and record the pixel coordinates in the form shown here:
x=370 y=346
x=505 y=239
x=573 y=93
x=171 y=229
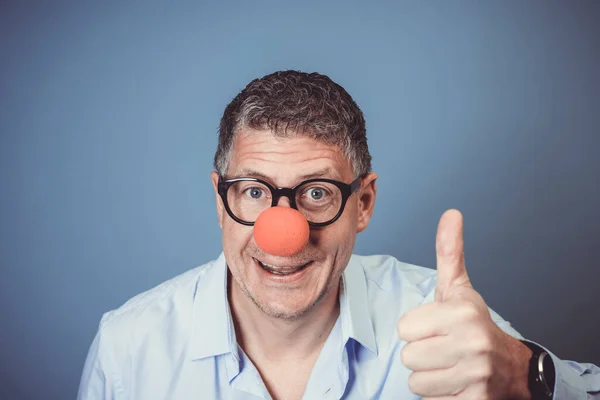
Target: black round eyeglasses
x=321 y=201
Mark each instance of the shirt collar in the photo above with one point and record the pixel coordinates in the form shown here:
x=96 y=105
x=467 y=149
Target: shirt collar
x=354 y=306
x=212 y=326
x=213 y=332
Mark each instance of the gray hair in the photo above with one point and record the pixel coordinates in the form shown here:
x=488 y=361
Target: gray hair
x=296 y=103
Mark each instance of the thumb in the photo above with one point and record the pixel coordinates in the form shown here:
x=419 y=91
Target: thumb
x=450 y=251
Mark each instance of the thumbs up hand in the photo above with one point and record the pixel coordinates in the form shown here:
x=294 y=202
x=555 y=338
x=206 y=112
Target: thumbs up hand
x=453 y=347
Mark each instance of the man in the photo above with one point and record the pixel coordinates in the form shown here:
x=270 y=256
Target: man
x=287 y=312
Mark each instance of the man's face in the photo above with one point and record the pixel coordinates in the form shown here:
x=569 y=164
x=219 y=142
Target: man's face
x=285 y=163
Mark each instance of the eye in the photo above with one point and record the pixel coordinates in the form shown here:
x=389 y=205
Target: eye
x=316 y=193
x=254 y=192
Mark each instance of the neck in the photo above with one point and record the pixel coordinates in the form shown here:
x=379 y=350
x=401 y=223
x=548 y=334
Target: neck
x=279 y=340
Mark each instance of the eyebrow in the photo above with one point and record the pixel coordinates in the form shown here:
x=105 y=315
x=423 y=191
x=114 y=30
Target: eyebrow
x=322 y=173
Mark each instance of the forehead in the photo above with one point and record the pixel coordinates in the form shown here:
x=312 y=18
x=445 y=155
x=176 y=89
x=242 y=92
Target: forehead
x=285 y=160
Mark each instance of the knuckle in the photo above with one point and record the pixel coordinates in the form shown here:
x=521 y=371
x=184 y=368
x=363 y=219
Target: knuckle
x=484 y=344
x=483 y=373
x=485 y=396
x=401 y=329
x=404 y=327
x=449 y=251
x=413 y=383
x=404 y=355
x=486 y=372
x=469 y=311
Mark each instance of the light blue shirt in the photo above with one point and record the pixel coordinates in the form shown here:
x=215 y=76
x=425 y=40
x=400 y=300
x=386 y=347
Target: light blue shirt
x=177 y=341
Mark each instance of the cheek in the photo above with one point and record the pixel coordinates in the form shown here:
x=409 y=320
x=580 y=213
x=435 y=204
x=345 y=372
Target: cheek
x=336 y=237
x=235 y=237
x=235 y=241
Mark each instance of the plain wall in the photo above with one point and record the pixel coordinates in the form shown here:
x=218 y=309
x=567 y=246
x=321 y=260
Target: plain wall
x=108 y=122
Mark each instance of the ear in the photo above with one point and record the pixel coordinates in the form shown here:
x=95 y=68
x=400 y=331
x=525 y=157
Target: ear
x=214 y=176
x=366 y=201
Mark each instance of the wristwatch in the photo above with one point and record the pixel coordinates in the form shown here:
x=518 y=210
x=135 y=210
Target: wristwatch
x=541 y=373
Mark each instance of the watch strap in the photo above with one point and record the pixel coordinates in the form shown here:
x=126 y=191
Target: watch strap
x=541 y=373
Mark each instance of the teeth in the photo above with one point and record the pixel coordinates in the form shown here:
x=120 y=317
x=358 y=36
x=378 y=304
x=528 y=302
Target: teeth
x=278 y=273
x=280 y=270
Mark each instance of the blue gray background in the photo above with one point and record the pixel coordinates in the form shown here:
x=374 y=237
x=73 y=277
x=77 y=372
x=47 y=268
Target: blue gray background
x=108 y=121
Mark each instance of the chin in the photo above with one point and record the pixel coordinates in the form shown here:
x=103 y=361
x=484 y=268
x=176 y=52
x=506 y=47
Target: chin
x=290 y=310
x=275 y=309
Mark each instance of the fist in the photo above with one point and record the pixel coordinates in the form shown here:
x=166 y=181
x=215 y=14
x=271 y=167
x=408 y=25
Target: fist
x=453 y=347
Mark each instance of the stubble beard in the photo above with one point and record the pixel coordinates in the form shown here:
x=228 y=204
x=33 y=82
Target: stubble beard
x=273 y=313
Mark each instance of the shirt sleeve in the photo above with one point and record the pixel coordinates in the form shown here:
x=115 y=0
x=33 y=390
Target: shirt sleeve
x=574 y=381
x=100 y=380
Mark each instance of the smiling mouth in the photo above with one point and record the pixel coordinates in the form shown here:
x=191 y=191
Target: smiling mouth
x=275 y=270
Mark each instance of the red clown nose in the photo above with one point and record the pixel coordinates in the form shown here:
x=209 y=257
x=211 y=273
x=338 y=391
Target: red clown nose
x=281 y=231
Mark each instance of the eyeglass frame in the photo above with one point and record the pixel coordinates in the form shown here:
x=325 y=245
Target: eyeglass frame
x=346 y=189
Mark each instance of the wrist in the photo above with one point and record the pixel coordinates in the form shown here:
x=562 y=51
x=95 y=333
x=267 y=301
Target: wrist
x=541 y=377
x=520 y=388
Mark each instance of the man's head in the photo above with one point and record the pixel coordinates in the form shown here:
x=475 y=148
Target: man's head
x=285 y=128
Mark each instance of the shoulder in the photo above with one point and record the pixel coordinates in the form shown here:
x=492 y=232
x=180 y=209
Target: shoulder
x=163 y=310
x=147 y=331
x=162 y=297
x=386 y=274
